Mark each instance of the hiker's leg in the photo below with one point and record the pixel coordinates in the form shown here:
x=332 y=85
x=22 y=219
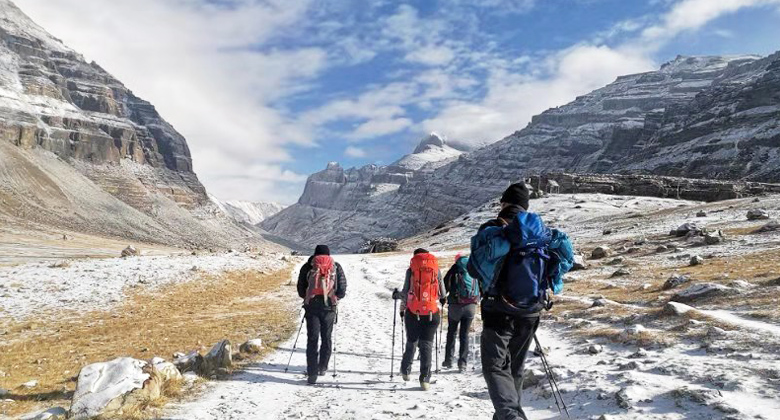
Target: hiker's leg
x=496 y=366
x=453 y=317
x=522 y=337
x=467 y=317
x=312 y=336
x=430 y=325
x=412 y=336
x=328 y=318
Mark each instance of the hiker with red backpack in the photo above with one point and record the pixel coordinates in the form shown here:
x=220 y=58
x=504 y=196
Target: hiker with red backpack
x=462 y=298
x=516 y=259
x=321 y=284
x=421 y=296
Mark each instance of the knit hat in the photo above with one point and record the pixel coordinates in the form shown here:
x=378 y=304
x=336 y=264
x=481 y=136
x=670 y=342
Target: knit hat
x=421 y=251
x=517 y=194
x=321 y=250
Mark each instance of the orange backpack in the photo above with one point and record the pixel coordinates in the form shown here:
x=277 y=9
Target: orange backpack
x=424 y=287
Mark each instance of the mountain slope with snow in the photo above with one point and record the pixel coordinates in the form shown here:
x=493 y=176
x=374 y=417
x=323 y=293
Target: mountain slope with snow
x=247 y=212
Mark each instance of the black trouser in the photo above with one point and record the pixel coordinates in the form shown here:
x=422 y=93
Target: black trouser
x=460 y=317
x=505 y=342
x=419 y=331
x=319 y=324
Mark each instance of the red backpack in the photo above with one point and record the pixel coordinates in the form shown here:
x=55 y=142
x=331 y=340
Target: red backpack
x=424 y=286
x=322 y=280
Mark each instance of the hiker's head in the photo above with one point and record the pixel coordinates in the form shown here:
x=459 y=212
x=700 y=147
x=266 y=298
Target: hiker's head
x=321 y=250
x=516 y=195
x=421 y=251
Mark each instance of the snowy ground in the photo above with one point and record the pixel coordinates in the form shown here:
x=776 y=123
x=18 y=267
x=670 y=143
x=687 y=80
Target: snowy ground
x=679 y=382
x=41 y=287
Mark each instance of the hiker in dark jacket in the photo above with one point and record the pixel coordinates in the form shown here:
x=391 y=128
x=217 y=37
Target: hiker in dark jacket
x=507 y=334
x=420 y=313
x=462 y=299
x=321 y=283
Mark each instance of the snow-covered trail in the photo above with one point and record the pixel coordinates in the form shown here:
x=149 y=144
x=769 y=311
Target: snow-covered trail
x=363 y=388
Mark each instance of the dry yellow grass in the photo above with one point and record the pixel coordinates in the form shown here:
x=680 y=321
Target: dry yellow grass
x=182 y=317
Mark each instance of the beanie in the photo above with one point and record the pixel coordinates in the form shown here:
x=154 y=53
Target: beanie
x=321 y=250
x=517 y=194
x=421 y=251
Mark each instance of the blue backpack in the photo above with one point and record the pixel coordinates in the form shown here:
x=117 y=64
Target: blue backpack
x=466 y=287
x=512 y=263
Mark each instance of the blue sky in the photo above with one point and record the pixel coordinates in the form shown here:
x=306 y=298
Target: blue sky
x=268 y=91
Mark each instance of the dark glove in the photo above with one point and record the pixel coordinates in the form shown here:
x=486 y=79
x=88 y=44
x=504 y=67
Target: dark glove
x=442 y=301
x=396 y=294
x=402 y=313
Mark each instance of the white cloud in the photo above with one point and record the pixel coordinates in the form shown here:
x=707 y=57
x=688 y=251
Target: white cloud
x=431 y=55
x=355 y=152
x=380 y=127
x=195 y=62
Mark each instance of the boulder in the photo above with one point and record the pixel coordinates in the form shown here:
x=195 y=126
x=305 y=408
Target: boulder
x=532 y=377
x=106 y=389
x=622 y=272
x=579 y=263
x=378 y=246
x=632 y=332
x=701 y=213
x=30 y=384
x=56 y=413
x=772 y=226
x=600 y=252
x=254 y=346
x=677 y=309
x=713 y=239
x=218 y=359
x=662 y=248
x=687 y=229
x=191 y=362
x=696 y=260
x=595 y=349
x=703 y=291
x=597 y=303
x=674 y=281
x=757 y=214
x=623 y=401
x=130 y=251
x=167 y=370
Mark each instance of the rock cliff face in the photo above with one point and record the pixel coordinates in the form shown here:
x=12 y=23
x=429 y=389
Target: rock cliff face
x=715 y=117
x=78 y=150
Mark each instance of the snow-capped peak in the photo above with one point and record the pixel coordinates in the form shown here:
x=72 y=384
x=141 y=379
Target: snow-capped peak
x=433 y=140
x=245 y=211
x=431 y=150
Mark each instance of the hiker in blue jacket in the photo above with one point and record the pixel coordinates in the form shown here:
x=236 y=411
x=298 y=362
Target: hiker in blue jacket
x=516 y=259
x=462 y=300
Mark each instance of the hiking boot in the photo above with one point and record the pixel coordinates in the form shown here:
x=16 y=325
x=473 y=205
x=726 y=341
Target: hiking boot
x=322 y=372
x=462 y=367
x=312 y=380
x=425 y=385
x=447 y=364
x=405 y=377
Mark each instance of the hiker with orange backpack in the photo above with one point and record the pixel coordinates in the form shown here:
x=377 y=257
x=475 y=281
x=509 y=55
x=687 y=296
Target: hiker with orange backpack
x=463 y=296
x=321 y=283
x=421 y=296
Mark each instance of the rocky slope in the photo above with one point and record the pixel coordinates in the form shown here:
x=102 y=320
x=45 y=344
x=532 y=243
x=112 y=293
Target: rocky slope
x=246 y=211
x=714 y=117
x=79 y=150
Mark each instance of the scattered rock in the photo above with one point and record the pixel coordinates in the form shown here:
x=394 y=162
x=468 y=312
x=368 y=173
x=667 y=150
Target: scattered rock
x=56 y=413
x=30 y=384
x=772 y=226
x=701 y=213
x=703 y=291
x=4 y=392
x=252 y=346
x=632 y=365
x=674 y=281
x=676 y=309
x=167 y=370
x=579 y=263
x=191 y=362
x=623 y=401
x=741 y=284
x=600 y=252
x=595 y=348
x=713 y=239
x=615 y=261
x=757 y=214
x=607 y=232
x=532 y=377
x=640 y=354
x=130 y=251
x=622 y=272
x=687 y=229
x=106 y=389
x=60 y=264
x=219 y=357
x=599 y=303
x=696 y=260
x=632 y=331
x=381 y=245
x=646 y=286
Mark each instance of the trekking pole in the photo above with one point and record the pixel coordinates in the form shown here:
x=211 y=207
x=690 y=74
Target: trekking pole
x=551 y=379
x=392 y=349
x=295 y=346
x=335 y=352
x=437 y=351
